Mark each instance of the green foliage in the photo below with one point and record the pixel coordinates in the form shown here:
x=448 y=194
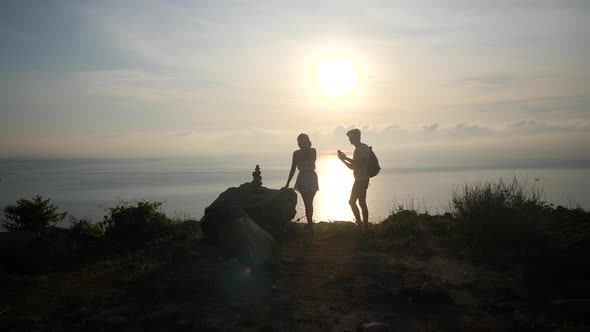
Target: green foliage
x=573 y=214
x=175 y=243
x=403 y=222
x=36 y=215
x=145 y=229
x=86 y=229
x=498 y=213
x=85 y=239
x=131 y=226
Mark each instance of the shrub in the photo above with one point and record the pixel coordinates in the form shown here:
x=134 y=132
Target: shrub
x=36 y=215
x=86 y=229
x=403 y=222
x=498 y=213
x=131 y=226
x=85 y=239
x=145 y=229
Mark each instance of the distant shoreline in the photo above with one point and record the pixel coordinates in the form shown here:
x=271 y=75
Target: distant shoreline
x=219 y=164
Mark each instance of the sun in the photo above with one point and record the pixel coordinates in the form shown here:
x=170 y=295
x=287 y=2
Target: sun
x=336 y=77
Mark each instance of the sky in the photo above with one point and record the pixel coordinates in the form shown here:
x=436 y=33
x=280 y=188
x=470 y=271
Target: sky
x=442 y=83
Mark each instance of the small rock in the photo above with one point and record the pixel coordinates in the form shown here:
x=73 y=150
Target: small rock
x=374 y=327
x=428 y=252
x=410 y=290
x=335 y=306
x=506 y=307
x=572 y=308
x=235 y=303
x=115 y=320
x=521 y=321
x=80 y=313
x=435 y=292
x=517 y=289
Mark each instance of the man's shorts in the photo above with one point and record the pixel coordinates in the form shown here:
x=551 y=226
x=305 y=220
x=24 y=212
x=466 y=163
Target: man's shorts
x=359 y=188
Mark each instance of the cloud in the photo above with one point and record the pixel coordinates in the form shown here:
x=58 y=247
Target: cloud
x=470 y=129
x=547 y=98
x=148 y=86
x=525 y=124
x=187 y=76
x=490 y=81
x=341 y=131
x=392 y=128
x=114 y=136
x=532 y=125
x=430 y=127
x=447 y=132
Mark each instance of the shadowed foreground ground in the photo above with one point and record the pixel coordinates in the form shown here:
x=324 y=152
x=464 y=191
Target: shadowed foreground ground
x=332 y=279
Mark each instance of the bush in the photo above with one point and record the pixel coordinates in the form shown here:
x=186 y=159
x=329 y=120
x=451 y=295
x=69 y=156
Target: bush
x=146 y=229
x=403 y=222
x=130 y=227
x=35 y=216
x=86 y=229
x=85 y=239
x=498 y=213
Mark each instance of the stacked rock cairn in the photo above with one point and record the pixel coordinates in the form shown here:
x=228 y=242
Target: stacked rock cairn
x=257 y=181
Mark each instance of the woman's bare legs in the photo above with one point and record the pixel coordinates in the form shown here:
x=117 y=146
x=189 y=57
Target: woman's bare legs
x=308 y=202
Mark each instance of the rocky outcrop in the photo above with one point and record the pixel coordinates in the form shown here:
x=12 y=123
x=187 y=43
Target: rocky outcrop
x=240 y=237
x=241 y=218
x=270 y=209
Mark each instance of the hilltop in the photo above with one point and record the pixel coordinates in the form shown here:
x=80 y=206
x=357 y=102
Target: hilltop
x=410 y=272
x=335 y=278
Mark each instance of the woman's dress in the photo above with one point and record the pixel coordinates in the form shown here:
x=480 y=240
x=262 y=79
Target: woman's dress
x=307 y=179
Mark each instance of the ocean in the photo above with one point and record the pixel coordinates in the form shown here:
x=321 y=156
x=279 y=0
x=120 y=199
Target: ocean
x=86 y=188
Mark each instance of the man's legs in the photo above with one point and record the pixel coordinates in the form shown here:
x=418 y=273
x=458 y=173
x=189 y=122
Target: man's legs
x=363 y=203
x=352 y=203
x=359 y=192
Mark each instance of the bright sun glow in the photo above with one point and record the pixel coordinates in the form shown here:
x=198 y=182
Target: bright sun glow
x=335 y=184
x=336 y=77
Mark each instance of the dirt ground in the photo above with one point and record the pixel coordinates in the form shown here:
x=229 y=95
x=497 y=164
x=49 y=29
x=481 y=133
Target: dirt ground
x=335 y=277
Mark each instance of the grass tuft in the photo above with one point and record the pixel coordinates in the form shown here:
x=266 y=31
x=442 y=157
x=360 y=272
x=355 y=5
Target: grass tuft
x=501 y=213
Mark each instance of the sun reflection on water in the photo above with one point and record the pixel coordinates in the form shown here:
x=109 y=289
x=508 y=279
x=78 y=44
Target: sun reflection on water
x=335 y=182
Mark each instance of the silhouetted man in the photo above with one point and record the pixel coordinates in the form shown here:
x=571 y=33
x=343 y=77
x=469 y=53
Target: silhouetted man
x=358 y=164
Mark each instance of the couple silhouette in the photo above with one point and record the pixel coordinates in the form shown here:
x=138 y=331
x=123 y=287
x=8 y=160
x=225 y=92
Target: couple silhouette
x=307 y=179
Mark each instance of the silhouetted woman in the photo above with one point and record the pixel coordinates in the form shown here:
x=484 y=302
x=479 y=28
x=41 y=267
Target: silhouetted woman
x=307 y=180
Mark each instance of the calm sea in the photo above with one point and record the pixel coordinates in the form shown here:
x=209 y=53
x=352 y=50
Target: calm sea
x=85 y=188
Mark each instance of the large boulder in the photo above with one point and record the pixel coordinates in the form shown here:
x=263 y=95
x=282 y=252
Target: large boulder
x=270 y=209
x=240 y=237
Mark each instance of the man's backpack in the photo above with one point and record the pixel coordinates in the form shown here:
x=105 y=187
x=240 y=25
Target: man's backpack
x=373 y=167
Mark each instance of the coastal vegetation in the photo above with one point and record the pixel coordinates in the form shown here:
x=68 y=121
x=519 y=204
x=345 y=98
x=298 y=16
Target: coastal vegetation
x=34 y=215
x=500 y=258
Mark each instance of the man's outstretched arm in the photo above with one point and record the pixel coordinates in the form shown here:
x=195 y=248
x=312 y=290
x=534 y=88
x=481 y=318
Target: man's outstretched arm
x=346 y=161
